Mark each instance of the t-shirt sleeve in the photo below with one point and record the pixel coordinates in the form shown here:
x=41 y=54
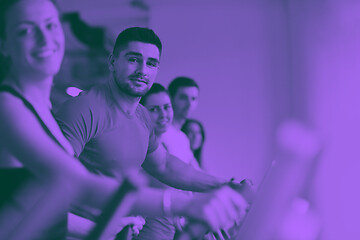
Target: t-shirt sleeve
x=154 y=141
x=77 y=122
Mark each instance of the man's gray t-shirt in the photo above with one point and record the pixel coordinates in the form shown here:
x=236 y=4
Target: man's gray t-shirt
x=106 y=139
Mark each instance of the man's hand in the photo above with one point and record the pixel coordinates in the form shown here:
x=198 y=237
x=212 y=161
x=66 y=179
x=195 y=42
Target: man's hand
x=136 y=223
x=245 y=188
x=219 y=209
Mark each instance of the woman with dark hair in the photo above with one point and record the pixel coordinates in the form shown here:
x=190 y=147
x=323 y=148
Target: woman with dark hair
x=196 y=134
x=157 y=101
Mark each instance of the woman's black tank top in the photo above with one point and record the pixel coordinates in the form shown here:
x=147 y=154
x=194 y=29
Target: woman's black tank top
x=12 y=179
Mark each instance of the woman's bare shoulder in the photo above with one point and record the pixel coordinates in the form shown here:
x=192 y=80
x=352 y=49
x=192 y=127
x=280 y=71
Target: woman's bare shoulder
x=8 y=99
x=12 y=108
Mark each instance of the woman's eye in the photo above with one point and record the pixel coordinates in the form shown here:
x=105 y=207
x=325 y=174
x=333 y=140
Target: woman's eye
x=52 y=26
x=25 y=31
x=153 y=109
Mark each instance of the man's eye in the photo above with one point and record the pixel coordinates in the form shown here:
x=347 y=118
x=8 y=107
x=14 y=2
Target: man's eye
x=167 y=107
x=152 y=64
x=133 y=60
x=152 y=110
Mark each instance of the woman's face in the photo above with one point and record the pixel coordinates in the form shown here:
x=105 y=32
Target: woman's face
x=34 y=38
x=194 y=135
x=161 y=112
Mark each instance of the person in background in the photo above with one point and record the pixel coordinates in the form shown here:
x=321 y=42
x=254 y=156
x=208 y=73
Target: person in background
x=157 y=101
x=196 y=134
x=184 y=94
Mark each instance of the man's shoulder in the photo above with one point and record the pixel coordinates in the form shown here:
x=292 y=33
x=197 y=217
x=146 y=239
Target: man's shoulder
x=92 y=99
x=84 y=116
x=144 y=116
x=93 y=96
x=142 y=110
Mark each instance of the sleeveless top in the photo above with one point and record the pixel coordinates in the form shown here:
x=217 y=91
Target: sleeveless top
x=12 y=179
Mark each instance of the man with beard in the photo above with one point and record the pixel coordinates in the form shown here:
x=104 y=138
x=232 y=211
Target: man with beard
x=184 y=94
x=112 y=133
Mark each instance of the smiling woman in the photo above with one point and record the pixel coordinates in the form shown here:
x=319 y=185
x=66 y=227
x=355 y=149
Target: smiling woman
x=157 y=101
x=37 y=164
x=33 y=37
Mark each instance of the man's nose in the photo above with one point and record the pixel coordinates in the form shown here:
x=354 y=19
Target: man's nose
x=141 y=68
x=187 y=103
x=193 y=103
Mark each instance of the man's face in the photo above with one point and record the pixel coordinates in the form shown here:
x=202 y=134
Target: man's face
x=184 y=101
x=135 y=68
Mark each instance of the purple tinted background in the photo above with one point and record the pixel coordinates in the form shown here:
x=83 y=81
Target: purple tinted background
x=227 y=49
x=258 y=63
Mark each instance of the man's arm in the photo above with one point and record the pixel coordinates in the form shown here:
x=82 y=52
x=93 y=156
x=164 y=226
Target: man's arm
x=78 y=122
x=175 y=173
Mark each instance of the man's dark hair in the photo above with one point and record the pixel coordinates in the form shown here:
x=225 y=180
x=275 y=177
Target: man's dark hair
x=137 y=34
x=156 y=88
x=186 y=130
x=181 y=82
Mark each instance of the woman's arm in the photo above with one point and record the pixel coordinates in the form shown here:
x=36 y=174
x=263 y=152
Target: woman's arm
x=23 y=136
x=36 y=207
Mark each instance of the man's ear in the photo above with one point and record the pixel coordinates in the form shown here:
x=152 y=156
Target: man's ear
x=111 y=62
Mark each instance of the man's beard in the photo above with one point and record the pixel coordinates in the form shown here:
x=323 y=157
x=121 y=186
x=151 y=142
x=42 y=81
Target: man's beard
x=126 y=88
x=184 y=113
